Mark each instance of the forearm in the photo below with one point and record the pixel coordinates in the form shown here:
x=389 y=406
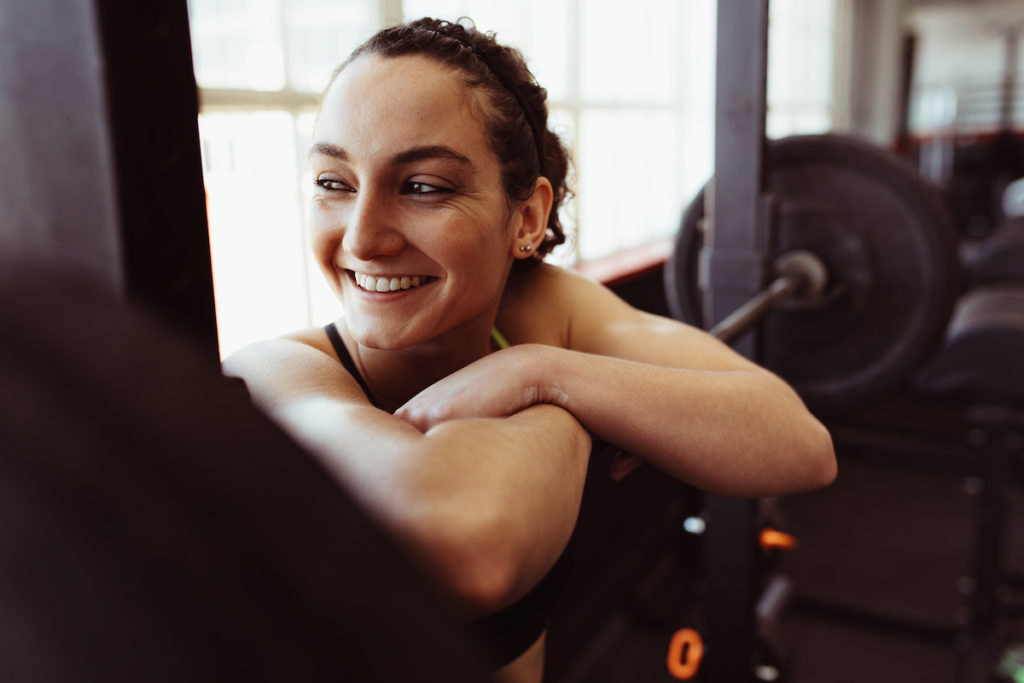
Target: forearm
x=485 y=504
x=733 y=432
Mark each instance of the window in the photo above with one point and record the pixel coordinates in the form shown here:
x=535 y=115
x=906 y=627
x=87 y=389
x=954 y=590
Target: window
x=631 y=93
x=801 y=67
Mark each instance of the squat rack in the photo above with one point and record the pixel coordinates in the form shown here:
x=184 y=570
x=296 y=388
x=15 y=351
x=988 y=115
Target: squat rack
x=733 y=268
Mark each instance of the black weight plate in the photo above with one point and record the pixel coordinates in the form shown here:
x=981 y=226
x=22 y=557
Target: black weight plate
x=890 y=250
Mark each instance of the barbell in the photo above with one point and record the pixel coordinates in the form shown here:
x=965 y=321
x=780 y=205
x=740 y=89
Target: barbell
x=865 y=278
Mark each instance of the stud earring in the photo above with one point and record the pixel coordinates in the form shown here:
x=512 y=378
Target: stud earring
x=526 y=248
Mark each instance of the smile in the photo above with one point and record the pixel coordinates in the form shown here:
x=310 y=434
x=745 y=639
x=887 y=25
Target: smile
x=389 y=284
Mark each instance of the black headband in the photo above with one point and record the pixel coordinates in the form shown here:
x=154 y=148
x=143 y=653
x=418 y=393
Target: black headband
x=531 y=120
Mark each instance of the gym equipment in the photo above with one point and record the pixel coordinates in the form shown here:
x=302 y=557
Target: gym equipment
x=980 y=356
x=156 y=526
x=1013 y=199
x=998 y=258
x=866 y=277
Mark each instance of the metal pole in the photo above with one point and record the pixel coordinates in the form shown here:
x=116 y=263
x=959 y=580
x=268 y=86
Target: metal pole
x=732 y=270
x=750 y=313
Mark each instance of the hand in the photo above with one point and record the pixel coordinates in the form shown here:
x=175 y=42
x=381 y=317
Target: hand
x=497 y=385
x=623 y=464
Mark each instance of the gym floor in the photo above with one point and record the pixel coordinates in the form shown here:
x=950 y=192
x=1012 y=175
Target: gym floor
x=878 y=578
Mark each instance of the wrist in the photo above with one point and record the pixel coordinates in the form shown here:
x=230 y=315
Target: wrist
x=546 y=365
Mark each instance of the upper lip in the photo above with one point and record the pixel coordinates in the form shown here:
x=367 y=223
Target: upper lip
x=398 y=275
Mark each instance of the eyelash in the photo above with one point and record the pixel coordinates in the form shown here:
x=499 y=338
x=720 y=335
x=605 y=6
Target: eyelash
x=411 y=187
x=424 y=188
x=326 y=184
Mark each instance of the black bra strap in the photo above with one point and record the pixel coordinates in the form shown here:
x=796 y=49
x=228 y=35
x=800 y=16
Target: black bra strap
x=346 y=359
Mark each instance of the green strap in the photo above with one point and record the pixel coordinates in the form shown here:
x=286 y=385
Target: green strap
x=499 y=339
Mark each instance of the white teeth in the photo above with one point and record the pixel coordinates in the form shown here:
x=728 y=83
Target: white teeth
x=385 y=284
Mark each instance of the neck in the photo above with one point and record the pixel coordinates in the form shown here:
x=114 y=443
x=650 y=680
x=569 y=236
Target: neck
x=395 y=376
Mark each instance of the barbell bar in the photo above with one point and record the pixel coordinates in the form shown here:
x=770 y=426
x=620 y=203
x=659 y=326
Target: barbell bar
x=799 y=274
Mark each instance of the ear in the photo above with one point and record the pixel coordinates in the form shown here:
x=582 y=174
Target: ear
x=530 y=219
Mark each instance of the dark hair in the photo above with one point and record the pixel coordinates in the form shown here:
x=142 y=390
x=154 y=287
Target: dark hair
x=516 y=124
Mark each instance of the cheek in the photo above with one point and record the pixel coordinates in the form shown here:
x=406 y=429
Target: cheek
x=324 y=239
x=484 y=247
x=485 y=264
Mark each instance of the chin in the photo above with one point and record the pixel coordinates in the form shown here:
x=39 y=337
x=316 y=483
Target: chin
x=373 y=337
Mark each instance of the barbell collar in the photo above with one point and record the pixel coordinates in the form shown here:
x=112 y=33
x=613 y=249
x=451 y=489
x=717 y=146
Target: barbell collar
x=809 y=269
x=801 y=275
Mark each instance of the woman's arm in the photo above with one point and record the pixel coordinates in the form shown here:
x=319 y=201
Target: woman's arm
x=487 y=505
x=660 y=389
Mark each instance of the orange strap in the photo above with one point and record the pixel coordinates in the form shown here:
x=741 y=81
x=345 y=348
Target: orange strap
x=685 y=651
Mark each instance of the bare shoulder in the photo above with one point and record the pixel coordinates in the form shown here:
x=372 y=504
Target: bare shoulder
x=591 y=318
x=302 y=362
x=298 y=343
x=544 y=305
x=549 y=280
x=553 y=298
x=313 y=337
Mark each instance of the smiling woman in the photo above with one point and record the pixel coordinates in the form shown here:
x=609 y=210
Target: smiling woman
x=436 y=187
x=412 y=190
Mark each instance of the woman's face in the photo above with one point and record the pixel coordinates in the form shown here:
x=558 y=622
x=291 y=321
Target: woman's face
x=409 y=217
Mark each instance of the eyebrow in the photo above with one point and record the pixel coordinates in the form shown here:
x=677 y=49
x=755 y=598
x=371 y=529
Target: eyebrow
x=327 y=149
x=404 y=157
x=432 y=152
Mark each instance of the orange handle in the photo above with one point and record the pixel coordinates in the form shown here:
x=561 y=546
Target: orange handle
x=685 y=651
x=773 y=538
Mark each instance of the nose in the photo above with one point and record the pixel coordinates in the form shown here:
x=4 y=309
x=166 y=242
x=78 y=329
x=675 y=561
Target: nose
x=372 y=229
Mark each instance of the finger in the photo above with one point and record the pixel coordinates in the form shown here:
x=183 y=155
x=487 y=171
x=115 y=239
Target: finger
x=622 y=465
x=416 y=418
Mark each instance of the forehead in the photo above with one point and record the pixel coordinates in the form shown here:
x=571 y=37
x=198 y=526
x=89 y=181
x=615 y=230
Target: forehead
x=386 y=104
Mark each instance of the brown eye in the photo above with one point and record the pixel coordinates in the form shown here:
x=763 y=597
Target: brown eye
x=332 y=184
x=419 y=188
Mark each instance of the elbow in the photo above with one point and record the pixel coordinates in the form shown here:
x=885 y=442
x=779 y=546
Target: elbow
x=821 y=468
x=480 y=585
x=830 y=470
x=473 y=569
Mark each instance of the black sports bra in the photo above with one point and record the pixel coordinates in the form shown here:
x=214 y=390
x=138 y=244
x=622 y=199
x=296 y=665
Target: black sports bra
x=508 y=632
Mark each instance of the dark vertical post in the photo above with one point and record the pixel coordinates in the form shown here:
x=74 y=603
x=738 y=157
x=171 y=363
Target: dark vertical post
x=102 y=173
x=736 y=236
x=153 y=106
x=996 y=437
x=908 y=52
x=733 y=270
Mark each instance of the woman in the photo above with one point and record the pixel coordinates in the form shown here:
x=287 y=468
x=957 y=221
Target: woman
x=437 y=188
